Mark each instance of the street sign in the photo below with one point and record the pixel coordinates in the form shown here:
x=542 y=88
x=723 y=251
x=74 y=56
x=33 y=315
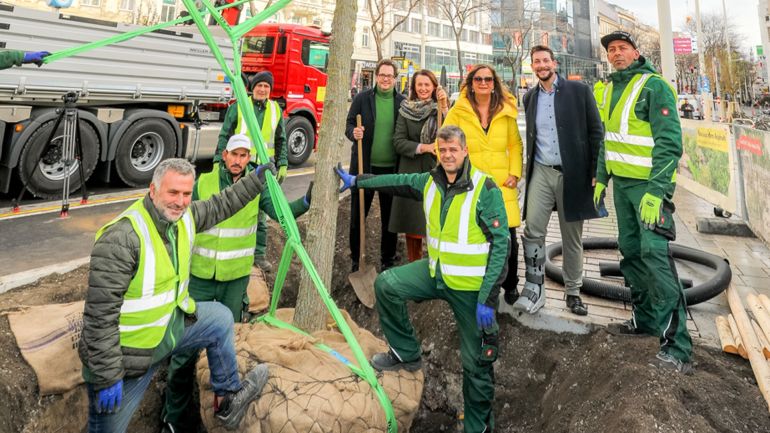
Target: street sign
x=760 y=50
x=682 y=45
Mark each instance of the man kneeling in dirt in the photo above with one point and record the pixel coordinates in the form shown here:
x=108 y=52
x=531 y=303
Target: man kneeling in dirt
x=221 y=264
x=138 y=311
x=468 y=247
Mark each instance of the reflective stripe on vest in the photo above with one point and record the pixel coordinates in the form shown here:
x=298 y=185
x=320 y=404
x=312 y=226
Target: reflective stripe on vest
x=156 y=288
x=459 y=247
x=272 y=112
x=226 y=251
x=600 y=95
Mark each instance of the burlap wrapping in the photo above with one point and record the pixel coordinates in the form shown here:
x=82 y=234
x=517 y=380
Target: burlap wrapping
x=259 y=295
x=48 y=337
x=309 y=390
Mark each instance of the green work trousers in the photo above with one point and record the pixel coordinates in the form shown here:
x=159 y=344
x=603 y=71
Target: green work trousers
x=261 y=248
x=649 y=270
x=181 y=369
x=412 y=282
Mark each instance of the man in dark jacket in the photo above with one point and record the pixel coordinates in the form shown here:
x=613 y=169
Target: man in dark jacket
x=563 y=135
x=9 y=58
x=138 y=310
x=378 y=108
x=468 y=261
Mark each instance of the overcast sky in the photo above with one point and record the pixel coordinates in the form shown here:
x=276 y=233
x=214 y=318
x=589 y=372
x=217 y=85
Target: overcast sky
x=741 y=13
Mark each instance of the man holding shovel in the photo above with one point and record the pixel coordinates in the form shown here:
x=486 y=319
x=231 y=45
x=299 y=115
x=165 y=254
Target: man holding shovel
x=468 y=247
x=221 y=263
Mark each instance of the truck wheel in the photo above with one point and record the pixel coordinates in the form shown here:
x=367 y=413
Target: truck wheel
x=300 y=138
x=46 y=178
x=144 y=145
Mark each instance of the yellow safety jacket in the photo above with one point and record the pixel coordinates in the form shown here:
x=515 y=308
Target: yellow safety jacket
x=159 y=285
x=269 y=124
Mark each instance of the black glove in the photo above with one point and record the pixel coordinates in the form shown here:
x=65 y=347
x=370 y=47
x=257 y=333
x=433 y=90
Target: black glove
x=261 y=169
x=308 y=194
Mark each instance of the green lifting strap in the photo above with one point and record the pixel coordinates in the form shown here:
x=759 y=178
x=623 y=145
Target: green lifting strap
x=125 y=36
x=285 y=216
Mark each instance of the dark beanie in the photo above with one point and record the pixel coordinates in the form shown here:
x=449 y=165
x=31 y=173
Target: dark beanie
x=262 y=77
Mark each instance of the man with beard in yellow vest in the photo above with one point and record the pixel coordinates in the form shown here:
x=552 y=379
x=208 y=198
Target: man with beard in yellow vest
x=641 y=150
x=270 y=119
x=138 y=310
x=221 y=264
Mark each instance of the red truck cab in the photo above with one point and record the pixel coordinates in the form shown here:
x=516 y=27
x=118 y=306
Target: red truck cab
x=297 y=56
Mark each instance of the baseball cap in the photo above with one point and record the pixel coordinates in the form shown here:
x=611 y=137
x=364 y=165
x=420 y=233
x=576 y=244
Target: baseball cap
x=238 y=141
x=618 y=36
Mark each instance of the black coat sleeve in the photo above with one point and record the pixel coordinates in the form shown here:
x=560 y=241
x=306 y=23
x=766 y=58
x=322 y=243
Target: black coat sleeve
x=355 y=108
x=594 y=125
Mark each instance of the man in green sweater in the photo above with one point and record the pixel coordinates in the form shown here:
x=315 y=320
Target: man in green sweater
x=378 y=108
x=270 y=119
x=467 y=262
x=221 y=263
x=641 y=150
x=9 y=58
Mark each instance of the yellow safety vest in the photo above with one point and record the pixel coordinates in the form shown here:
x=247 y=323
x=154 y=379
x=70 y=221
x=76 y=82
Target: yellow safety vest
x=157 y=288
x=628 y=140
x=225 y=252
x=273 y=114
x=459 y=247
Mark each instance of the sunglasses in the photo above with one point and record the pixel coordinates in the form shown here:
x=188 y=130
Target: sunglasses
x=484 y=79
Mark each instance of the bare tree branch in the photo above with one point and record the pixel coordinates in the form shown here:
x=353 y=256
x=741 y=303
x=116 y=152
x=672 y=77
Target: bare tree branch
x=381 y=29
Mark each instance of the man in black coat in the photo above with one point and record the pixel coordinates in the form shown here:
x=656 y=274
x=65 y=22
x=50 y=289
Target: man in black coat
x=563 y=135
x=378 y=108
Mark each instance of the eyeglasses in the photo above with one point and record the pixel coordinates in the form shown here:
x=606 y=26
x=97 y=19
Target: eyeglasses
x=386 y=76
x=484 y=79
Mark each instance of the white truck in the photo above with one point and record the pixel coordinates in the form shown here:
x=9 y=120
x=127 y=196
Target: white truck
x=137 y=101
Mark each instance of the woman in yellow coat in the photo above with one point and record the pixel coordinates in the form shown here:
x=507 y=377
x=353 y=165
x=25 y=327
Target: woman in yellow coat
x=486 y=112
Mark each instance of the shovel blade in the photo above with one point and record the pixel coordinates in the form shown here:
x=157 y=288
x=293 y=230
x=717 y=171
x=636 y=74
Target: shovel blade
x=362 y=281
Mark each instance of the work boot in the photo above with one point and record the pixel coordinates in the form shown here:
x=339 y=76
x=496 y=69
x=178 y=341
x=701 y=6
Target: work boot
x=169 y=428
x=575 y=304
x=533 y=296
x=389 y=361
x=262 y=263
x=627 y=329
x=510 y=295
x=233 y=405
x=665 y=361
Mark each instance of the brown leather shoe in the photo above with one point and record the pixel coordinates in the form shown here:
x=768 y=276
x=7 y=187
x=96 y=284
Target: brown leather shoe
x=575 y=304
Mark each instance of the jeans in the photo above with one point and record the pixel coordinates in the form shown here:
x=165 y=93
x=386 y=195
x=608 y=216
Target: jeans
x=213 y=331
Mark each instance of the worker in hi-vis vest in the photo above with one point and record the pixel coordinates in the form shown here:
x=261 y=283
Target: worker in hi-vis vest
x=138 y=309
x=221 y=263
x=468 y=246
x=641 y=150
x=270 y=120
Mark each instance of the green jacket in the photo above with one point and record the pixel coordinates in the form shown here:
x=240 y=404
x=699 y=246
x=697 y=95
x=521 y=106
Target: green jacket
x=9 y=58
x=114 y=261
x=297 y=207
x=490 y=216
x=656 y=105
x=231 y=122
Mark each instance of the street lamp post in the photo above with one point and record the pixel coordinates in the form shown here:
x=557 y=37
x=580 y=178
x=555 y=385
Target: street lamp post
x=666 y=42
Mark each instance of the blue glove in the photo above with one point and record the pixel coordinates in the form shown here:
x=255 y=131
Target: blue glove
x=35 y=57
x=485 y=316
x=348 y=180
x=308 y=194
x=110 y=398
x=261 y=169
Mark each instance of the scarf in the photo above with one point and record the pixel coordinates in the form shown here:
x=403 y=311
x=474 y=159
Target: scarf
x=421 y=111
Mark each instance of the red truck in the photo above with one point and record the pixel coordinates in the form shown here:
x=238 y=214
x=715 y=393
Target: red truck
x=297 y=56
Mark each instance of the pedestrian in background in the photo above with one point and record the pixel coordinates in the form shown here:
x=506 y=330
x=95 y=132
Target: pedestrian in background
x=414 y=140
x=563 y=135
x=641 y=150
x=486 y=112
x=378 y=108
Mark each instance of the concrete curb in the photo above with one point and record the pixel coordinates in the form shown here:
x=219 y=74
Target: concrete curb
x=19 y=279
x=550 y=319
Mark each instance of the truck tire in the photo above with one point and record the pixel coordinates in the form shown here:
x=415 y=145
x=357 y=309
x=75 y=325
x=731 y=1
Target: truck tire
x=145 y=144
x=46 y=178
x=300 y=138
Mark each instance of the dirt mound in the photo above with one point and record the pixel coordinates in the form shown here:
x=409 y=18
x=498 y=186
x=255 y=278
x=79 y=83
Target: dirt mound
x=545 y=382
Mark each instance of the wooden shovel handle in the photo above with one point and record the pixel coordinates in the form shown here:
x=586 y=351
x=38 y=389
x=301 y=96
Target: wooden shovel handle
x=361 y=215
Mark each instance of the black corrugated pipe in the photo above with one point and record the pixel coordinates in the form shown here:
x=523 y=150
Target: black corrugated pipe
x=612 y=269
x=694 y=295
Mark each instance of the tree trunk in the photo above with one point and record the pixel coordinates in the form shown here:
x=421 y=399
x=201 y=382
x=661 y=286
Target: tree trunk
x=378 y=43
x=311 y=313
